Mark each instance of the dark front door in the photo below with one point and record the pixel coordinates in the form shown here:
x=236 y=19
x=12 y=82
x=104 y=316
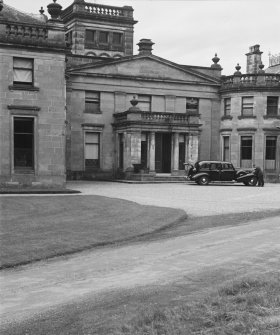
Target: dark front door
x=163 y=153
x=144 y=154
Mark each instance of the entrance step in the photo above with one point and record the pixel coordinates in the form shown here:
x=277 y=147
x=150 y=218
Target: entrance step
x=158 y=178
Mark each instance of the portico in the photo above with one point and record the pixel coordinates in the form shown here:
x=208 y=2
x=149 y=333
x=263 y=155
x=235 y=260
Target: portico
x=156 y=142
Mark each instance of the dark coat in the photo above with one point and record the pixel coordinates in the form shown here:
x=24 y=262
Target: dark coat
x=258 y=172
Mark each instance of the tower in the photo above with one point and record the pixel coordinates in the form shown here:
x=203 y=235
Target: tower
x=99 y=30
x=254 y=59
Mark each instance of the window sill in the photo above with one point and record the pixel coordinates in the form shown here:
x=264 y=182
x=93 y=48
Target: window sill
x=89 y=112
x=240 y=117
x=23 y=88
x=23 y=171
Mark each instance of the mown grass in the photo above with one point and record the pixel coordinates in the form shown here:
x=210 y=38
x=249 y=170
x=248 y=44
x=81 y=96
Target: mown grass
x=249 y=306
x=207 y=303
x=35 y=228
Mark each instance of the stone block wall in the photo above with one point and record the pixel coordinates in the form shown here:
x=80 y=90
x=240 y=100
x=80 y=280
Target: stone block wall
x=46 y=105
x=258 y=126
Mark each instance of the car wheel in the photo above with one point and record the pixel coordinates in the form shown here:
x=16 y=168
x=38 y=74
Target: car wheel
x=252 y=181
x=204 y=180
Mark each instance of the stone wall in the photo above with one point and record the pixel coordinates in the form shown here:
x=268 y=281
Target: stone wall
x=46 y=104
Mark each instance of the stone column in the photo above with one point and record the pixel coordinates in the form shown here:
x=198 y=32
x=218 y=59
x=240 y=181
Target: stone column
x=127 y=151
x=175 y=153
x=136 y=147
x=193 y=148
x=186 y=148
x=152 y=152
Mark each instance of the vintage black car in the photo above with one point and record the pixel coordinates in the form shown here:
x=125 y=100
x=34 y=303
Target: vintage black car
x=203 y=172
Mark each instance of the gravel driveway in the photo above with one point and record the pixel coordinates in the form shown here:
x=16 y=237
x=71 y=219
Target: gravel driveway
x=196 y=200
x=33 y=289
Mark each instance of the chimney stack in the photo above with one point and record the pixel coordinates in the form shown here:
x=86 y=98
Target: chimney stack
x=145 y=46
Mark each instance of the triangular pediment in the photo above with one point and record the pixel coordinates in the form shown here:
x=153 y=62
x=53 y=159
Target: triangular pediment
x=145 y=67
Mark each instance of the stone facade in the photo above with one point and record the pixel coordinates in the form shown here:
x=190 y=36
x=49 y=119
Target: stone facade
x=159 y=128
x=33 y=99
x=250 y=117
x=76 y=101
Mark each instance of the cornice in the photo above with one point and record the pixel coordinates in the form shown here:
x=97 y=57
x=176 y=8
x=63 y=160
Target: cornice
x=138 y=78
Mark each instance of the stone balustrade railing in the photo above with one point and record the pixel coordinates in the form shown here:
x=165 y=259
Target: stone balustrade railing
x=158 y=117
x=103 y=10
x=97 y=9
x=26 y=31
x=250 y=80
x=45 y=35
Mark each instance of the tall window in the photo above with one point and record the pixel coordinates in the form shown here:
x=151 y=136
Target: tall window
x=144 y=103
x=246 y=151
x=92 y=102
x=247 y=106
x=103 y=37
x=226 y=152
x=92 y=150
x=192 y=105
x=270 y=152
x=272 y=106
x=117 y=38
x=23 y=71
x=23 y=143
x=90 y=38
x=227 y=106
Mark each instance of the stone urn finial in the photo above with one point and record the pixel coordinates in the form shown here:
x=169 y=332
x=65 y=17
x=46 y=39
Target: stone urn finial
x=237 y=72
x=134 y=101
x=54 y=9
x=261 y=70
x=215 y=61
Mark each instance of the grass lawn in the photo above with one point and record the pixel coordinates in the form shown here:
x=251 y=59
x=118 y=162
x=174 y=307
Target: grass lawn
x=207 y=303
x=233 y=300
x=35 y=228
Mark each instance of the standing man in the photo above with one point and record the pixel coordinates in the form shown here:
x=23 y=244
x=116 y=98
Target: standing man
x=259 y=174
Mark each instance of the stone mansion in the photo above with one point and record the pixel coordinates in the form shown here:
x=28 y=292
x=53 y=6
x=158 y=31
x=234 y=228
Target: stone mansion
x=77 y=103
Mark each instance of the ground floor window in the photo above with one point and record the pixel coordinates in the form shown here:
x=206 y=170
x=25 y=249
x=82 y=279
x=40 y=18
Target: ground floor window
x=270 y=152
x=23 y=143
x=92 y=150
x=246 y=151
x=226 y=152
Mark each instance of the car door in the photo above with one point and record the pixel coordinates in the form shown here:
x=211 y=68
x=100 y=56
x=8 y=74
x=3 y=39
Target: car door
x=215 y=171
x=227 y=172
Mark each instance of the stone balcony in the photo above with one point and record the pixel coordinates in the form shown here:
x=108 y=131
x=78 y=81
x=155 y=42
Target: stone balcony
x=97 y=10
x=241 y=82
x=156 y=120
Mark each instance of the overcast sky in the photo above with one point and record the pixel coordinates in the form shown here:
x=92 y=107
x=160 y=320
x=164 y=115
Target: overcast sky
x=191 y=32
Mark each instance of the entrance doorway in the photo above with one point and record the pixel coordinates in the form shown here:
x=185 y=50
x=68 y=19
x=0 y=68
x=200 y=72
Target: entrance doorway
x=163 y=152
